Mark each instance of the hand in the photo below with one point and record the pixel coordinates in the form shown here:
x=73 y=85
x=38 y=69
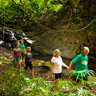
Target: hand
x=69 y=69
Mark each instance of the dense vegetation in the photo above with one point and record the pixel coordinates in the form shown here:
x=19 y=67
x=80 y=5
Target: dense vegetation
x=20 y=84
x=21 y=13
x=10 y=12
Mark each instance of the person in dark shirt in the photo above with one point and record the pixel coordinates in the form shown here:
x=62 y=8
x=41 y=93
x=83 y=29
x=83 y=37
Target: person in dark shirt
x=28 y=61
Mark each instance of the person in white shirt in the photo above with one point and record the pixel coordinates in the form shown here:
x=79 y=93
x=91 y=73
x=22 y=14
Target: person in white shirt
x=56 y=67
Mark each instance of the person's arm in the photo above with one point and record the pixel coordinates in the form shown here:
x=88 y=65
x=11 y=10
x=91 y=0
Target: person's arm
x=32 y=60
x=70 y=65
x=74 y=61
x=51 y=71
x=25 y=49
x=63 y=64
x=87 y=68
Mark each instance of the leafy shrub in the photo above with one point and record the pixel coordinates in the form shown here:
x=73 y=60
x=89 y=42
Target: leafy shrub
x=14 y=83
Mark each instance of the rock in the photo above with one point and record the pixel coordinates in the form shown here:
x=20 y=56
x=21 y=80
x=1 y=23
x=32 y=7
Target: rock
x=49 y=41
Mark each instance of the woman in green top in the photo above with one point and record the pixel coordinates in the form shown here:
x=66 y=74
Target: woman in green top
x=23 y=50
x=81 y=64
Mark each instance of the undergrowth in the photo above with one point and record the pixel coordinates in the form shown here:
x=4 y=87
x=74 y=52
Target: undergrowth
x=14 y=83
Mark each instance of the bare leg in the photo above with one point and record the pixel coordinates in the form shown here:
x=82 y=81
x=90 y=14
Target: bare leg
x=15 y=64
x=19 y=64
x=32 y=72
x=57 y=84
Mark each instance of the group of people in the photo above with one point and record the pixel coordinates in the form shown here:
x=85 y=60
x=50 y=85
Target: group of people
x=80 y=61
x=23 y=55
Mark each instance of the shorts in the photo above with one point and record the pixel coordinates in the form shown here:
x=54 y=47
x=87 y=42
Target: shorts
x=22 y=54
x=16 y=59
x=28 y=64
x=80 y=78
x=57 y=75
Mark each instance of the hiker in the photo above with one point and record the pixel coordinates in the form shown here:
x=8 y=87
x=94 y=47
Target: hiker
x=56 y=67
x=81 y=63
x=23 y=50
x=17 y=57
x=14 y=43
x=28 y=60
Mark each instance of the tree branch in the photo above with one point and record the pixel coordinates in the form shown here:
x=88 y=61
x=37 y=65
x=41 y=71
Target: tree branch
x=32 y=18
x=94 y=20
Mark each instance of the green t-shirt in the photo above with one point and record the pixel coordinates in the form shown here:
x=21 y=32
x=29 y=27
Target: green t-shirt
x=23 y=47
x=81 y=63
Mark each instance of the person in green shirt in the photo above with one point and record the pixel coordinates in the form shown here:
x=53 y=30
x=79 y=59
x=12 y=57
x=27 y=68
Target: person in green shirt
x=81 y=64
x=23 y=50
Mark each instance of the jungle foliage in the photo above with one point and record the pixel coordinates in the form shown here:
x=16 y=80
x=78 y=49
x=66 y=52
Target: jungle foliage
x=10 y=12
x=19 y=84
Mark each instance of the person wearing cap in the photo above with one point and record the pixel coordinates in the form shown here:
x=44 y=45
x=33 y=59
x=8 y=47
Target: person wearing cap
x=56 y=67
x=81 y=64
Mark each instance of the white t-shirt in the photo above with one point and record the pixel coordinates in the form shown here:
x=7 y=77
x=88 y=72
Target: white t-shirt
x=57 y=67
